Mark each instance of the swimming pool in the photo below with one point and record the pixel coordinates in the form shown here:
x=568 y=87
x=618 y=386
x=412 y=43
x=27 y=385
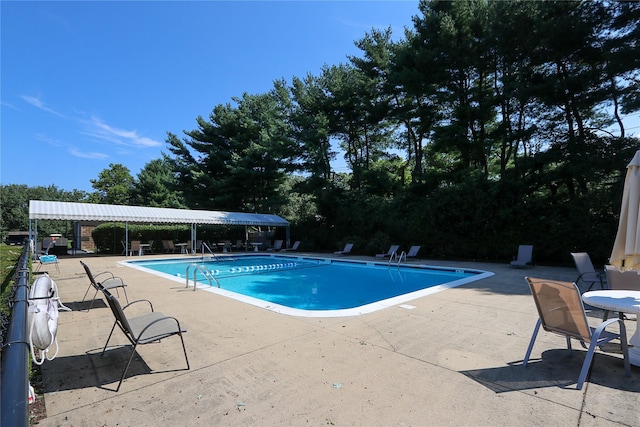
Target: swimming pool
x=310 y=286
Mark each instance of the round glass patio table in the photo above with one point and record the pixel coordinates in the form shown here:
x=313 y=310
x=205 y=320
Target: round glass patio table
x=621 y=301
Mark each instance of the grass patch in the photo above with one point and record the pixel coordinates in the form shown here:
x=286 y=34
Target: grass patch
x=9 y=256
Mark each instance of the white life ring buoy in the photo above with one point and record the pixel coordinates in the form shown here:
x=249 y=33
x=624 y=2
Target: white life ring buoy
x=43 y=318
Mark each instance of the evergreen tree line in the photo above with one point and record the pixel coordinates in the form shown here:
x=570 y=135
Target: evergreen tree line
x=489 y=124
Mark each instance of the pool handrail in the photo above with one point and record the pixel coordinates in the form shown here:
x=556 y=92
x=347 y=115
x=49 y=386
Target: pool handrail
x=397 y=258
x=204 y=270
x=394 y=255
x=204 y=245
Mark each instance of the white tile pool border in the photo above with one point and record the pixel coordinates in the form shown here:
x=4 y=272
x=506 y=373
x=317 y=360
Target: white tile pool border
x=356 y=311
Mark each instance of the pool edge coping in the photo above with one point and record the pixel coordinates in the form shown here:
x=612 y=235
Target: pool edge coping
x=348 y=312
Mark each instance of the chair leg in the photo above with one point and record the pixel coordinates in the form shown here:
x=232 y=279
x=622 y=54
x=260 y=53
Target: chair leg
x=93 y=300
x=533 y=340
x=125 y=292
x=124 y=373
x=184 y=349
x=108 y=338
x=86 y=292
x=586 y=366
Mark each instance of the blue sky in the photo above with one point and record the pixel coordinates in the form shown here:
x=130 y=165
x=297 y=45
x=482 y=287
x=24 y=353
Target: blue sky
x=86 y=84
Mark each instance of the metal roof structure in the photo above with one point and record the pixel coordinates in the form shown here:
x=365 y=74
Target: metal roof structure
x=40 y=209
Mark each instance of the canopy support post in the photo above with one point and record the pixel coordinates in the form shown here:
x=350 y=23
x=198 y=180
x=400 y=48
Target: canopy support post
x=288 y=234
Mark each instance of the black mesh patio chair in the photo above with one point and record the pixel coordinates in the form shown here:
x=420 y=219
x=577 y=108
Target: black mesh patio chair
x=142 y=329
x=111 y=282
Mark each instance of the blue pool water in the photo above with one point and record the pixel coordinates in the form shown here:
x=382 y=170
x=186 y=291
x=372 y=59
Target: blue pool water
x=312 y=286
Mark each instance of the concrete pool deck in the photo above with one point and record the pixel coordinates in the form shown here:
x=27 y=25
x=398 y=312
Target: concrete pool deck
x=452 y=359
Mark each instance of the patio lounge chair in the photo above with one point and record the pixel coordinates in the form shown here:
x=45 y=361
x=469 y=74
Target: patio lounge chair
x=109 y=283
x=560 y=311
x=392 y=250
x=525 y=257
x=413 y=251
x=346 y=250
x=295 y=246
x=143 y=329
x=587 y=273
x=277 y=245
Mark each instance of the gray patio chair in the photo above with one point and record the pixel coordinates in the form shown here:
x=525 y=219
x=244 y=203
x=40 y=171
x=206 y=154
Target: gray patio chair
x=277 y=246
x=586 y=271
x=346 y=250
x=109 y=283
x=561 y=312
x=524 y=258
x=621 y=281
x=392 y=250
x=295 y=247
x=413 y=251
x=143 y=329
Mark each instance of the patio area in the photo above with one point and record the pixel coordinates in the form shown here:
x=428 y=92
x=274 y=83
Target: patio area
x=453 y=359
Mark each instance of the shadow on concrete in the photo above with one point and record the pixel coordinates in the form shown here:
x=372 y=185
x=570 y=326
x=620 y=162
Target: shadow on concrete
x=91 y=369
x=85 y=305
x=557 y=368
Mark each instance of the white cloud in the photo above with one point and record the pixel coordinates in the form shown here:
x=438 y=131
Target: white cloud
x=99 y=129
x=95 y=128
x=6 y=104
x=38 y=103
x=51 y=141
x=85 y=155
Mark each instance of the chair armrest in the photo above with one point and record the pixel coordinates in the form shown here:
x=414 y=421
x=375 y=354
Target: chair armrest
x=161 y=319
x=137 y=301
x=114 y=278
x=598 y=275
x=602 y=326
x=104 y=272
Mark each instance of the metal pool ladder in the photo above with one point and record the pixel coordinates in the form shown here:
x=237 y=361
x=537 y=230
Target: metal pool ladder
x=204 y=270
x=397 y=258
x=204 y=245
